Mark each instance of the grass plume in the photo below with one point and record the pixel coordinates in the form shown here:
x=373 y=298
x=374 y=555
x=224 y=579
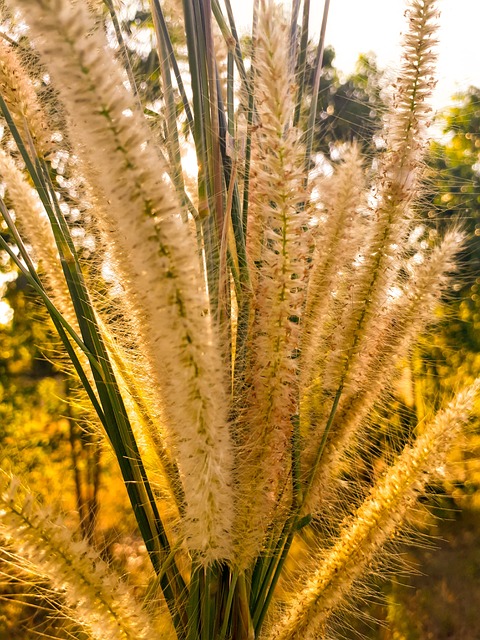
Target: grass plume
x=98 y=600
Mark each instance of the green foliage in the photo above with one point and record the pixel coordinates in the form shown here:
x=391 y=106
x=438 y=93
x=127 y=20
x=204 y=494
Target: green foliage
x=452 y=353
x=351 y=109
x=32 y=388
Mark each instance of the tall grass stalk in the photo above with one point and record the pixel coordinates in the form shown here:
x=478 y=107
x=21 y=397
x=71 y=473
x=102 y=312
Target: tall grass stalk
x=261 y=317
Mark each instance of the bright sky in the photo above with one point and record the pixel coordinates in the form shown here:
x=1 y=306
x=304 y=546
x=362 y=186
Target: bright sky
x=359 y=26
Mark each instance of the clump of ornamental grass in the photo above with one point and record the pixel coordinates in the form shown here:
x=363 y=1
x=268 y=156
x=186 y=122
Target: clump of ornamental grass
x=256 y=321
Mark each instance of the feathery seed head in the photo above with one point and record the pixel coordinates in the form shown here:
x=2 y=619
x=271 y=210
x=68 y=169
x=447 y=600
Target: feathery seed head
x=373 y=372
x=20 y=96
x=95 y=597
x=408 y=119
x=278 y=247
x=33 y=222
x=160 y=269
x=374 y=522
x=337 y=243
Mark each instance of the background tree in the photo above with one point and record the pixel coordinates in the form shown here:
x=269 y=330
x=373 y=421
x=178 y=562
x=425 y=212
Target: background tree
x=351 y=109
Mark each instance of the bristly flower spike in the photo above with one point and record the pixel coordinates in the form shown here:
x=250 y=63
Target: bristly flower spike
x=161 y=272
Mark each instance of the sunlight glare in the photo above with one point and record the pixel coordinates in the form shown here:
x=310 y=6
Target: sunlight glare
x=6 y=313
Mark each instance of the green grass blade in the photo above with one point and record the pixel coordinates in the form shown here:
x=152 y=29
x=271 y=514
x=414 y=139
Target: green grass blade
x=259 y=615
x=293 y=32
x=302 y=63
x=198 y=79
x=316 y=87
x=250 y=119
x=230 y=94
x=170 y=53
x=230 y=171
x=123 y=47
x=173 y=143
x=194 y=603
x=228 y=606
x=231 y=38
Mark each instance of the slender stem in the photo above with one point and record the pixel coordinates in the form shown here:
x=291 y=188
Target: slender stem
x=244 y=626
x=165 y=37
x=208 y=616
x=123 y=48
x=230 y=94
x=250 y=118
x=293 y=33
x=193 y=603
x=316 y=87
x=302 y=62
x=228 y=606
x=172 y=138
x=259 y=617
x=237 y=51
